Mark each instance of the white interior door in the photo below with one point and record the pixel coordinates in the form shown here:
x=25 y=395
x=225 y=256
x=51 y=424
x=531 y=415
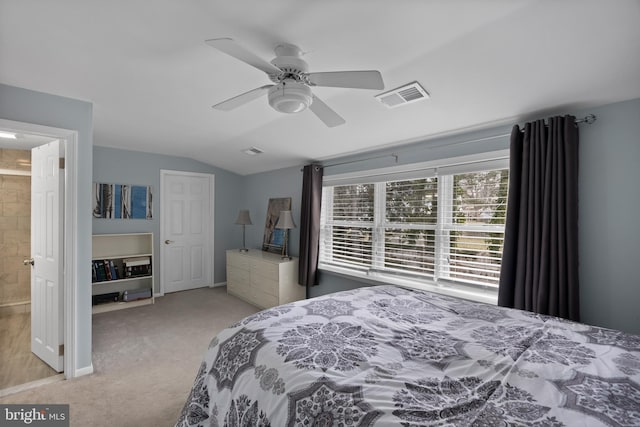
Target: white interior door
x=186 y=244
x=47 y=187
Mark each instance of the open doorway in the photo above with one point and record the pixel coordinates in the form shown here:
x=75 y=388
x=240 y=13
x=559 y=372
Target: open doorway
x=20 y=368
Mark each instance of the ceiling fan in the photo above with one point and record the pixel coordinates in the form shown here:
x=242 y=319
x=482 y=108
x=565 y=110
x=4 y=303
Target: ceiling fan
x=291 y=88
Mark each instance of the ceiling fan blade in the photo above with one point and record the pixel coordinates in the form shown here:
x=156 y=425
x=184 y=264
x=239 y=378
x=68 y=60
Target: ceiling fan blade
x=325 y=113
x=230 y=47
x=242 y=99
x=352 y=79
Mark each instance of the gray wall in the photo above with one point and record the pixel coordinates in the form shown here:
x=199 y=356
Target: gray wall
x=28 y=106
x=609 y=206
x=259 y=188
x=609 y=202
x=116 y=166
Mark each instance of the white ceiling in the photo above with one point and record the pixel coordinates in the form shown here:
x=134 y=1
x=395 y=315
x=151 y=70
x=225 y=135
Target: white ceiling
x=152 y=79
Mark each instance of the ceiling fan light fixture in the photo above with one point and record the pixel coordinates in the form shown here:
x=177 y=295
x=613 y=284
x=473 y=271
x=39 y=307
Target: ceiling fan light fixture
x=290 y=96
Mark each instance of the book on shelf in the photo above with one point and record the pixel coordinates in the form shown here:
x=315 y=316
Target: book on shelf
x=101 y=274
x=104 y=271
x=138 y=270
x=114 y=270
x=107 y=269
x=136 y=294
x=105 y=298
x=94 y=272
x=136 y=261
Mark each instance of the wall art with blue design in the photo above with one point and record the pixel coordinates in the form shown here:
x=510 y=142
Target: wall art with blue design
x=122 y=201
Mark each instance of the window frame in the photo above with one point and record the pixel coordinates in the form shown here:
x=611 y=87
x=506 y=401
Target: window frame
x=443 y=170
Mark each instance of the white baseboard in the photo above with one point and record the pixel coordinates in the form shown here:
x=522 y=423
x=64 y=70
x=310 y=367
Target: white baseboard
x=33 y=384
x=87 y=370
x=219 y=284
x=15 y=308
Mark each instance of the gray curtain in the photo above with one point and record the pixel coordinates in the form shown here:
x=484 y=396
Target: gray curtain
x=540 y=257
x=310 y=225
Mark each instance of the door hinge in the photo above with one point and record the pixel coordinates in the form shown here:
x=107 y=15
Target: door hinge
x=61 y=162
x=61 y=350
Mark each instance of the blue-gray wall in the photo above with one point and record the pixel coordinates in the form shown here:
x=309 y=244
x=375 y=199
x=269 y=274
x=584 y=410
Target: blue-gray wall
x=28 y=106
x=117 y=166
x=259 y=188
x=609 y=203
x=608 y=217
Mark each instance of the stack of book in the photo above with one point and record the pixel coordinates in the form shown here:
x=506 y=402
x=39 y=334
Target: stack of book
x=138 y=266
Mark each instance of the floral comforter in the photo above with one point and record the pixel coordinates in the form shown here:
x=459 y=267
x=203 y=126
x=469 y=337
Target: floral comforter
x=385 y=356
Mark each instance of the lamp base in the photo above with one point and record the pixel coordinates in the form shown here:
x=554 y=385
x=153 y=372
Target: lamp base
x=288 y=258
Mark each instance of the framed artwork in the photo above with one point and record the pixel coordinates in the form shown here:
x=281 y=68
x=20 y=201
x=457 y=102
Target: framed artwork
x=121 y=201
x=274 y=237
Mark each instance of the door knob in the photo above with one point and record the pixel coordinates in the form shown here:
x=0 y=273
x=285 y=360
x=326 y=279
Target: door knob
x=29 y=261
x=167 y=242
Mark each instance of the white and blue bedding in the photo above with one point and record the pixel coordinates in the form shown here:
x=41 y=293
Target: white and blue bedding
x=384 y=356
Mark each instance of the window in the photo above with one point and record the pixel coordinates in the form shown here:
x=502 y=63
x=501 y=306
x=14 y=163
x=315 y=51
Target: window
x=442 y=225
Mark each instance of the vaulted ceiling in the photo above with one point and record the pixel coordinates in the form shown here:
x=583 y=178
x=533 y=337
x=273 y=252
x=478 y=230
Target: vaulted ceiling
x=152 y=78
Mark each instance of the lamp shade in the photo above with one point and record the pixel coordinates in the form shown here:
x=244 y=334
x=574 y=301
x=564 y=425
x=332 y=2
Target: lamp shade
x=243 y=217
x=285 y=221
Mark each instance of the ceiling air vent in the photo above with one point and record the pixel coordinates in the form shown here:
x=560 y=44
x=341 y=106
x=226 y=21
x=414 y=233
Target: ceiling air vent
x=403 y=95
x=253 y=151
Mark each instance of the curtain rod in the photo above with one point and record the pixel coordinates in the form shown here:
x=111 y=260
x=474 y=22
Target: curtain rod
x=394 y=155
x=588 y=119
x=358 y=160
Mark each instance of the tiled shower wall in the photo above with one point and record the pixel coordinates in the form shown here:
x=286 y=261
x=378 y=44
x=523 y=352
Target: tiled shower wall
x=15 y=224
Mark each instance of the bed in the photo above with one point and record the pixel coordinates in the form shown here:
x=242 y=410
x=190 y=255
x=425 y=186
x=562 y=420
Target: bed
x=386 y=356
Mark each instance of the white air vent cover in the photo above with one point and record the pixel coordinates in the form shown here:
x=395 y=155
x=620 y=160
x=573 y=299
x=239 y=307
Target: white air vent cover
x=253 y=151
x=403 y=95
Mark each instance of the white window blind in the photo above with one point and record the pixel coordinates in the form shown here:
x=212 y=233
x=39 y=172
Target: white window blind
x=445 y=227
x=348 y=224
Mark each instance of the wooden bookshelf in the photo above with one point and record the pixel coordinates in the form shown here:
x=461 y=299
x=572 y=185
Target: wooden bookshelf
x=112 y=273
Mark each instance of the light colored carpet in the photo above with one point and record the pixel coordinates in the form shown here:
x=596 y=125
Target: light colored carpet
x=145 y=360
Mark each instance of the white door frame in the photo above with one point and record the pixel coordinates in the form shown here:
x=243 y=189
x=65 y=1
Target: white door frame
x=211 y=177
x=70 y=282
